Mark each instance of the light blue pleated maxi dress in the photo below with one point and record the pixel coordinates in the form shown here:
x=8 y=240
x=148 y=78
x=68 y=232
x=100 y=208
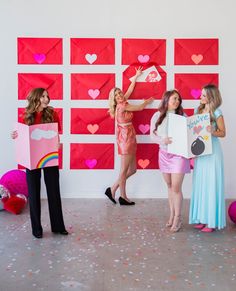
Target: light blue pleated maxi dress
x=207 y=205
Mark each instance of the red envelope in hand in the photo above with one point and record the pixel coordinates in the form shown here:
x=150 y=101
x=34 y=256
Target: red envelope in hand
x=196 y=51
x=141 y=121
x=148 y=88
x=58 y=110
x=190 y=85
x=143 y=51
x=91 y=156
x=53 y=83
x=91 y=86
x=91 y=121
x=147 y=156
x=40 y=51
x=92 y=51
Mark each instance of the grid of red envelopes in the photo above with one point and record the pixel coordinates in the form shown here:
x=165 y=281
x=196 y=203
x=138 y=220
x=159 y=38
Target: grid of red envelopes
x=91 y=121
x=53 y=83
x=145 y=89
x=92 y=51
x=39 y=51
x=147 y=156
x=196 y=51
x=91 y=86
x=91 y=156
x=189 y=85
x=143 y=51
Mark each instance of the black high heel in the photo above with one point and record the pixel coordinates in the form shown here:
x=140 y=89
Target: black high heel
x=122 y=201
x=109 y=195
x=63 y=232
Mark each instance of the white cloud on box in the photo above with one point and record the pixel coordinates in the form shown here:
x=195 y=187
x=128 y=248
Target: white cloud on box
x=38 y=134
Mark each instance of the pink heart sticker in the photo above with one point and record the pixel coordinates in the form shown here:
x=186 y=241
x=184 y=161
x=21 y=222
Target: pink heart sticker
x=91 y=58
x=197 y=58
x=196 y=93
x=92 y=128
x=91 y=163
x=197 y=129
x=144 y=128
x=93 y=93
x=39 y=58
x=143 y=58
x=143 y=163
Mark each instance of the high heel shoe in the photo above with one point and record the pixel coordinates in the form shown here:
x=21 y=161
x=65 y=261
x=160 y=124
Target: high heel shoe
x=177 y=224
x=122 y=201
x=109 y=195
x=63 y=232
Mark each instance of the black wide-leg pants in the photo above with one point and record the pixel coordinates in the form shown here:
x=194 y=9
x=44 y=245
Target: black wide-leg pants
x=51 y=178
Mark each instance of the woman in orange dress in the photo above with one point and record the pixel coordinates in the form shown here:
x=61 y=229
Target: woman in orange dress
x=121 y=110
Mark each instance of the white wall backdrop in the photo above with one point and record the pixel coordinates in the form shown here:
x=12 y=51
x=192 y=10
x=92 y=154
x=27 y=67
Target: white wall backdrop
x=167 y=19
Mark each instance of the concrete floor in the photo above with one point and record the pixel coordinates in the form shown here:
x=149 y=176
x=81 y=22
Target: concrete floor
x=115 y=248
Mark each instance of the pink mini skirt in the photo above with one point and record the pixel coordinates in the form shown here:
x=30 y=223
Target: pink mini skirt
x=173 y=164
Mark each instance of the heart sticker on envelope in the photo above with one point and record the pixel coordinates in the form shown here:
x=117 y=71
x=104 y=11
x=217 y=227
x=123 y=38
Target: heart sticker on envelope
x=196 y=93
x=91 y=163
x=92 y=128
x=144 y=128
x=39 y=58
x=197 y=59
x=143 y=58
x=143 y=163
x=93 y=93
x=91 y=58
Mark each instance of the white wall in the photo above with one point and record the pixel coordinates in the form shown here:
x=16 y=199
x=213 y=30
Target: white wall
x=167 y=19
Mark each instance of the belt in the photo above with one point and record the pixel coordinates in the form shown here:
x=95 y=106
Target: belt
x=124 y=124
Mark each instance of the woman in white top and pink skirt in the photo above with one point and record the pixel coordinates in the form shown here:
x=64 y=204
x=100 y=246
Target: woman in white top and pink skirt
x=173 y=167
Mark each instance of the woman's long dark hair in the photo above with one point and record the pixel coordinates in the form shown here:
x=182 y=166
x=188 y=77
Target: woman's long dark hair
x=163 y=108
x=33 y=104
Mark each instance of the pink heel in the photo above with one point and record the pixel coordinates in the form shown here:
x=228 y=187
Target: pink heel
x=207 y=229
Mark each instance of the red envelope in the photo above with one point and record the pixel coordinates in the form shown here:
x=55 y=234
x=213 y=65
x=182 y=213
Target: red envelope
x=143 y=51
x=60 y=155
x=190 y=85
x=91 y=86
x=196 y=51
x=141 y=121
x=145 y=89
x=91 y=156
x=96 y=51
x=40 y=51
x=189 y=111
x=91 y=121
x=147 y=156
x=53 y=83
x=58 y=110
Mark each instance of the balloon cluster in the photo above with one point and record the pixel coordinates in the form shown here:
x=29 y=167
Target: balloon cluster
x=13 y=191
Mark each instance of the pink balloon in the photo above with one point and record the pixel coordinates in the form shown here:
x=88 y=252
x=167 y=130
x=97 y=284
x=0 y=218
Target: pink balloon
x=15 y=182
x=232 y=211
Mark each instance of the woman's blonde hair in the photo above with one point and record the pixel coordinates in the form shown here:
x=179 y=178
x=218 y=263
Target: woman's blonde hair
x=214 y=100
x=112 y=102
x=33 y=99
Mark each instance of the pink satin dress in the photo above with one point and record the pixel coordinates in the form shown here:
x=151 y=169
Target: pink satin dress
x=126 y=135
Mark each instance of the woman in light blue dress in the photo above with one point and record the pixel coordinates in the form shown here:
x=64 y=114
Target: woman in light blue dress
x=207 y=206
